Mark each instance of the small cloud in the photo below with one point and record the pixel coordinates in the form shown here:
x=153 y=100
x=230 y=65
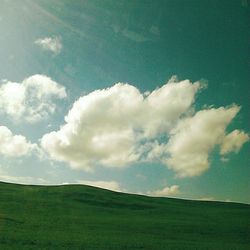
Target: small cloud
x=52 y=44
x=165 y=192
x=141 y=177
x=224 y=159
x=244 y=3
x=134 y=36
x=155 y=30
x=233 y=142
x=14 y=145
x=28 y=180
x=21 y=179
x=110 y=185
x=116 y=28
x=210 y=198
x=31 y=100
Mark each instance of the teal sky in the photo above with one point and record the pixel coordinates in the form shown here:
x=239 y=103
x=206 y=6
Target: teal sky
x=67 y=49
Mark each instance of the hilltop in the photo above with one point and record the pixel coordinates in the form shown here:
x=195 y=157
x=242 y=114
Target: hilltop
x=84 y=217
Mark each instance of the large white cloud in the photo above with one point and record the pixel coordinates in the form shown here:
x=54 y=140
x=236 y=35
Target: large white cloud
x=52 y=44
x=118 y=126
x=14 y=145
x=31 y=100
x=107 y=127
x=194 y=138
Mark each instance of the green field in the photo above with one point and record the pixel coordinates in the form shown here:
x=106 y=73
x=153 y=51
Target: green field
x=83 y=217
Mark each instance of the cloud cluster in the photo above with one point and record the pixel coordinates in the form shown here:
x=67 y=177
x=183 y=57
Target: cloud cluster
x=52 y=44
x=32 y=100
x=118 y=126
x=110 y=127
x=165 y=192
x=14 y=145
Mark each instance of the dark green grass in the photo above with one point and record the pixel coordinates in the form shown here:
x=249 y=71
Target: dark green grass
x=82 y=217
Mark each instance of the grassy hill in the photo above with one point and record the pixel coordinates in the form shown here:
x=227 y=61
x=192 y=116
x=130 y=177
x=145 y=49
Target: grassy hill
x=83 y=217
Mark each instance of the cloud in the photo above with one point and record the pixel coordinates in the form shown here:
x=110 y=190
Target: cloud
x=118 y=126
x=134 y=36
x=210 y=198
x=23 y=180
x=110 y=127
x=193 y=139
x=5 y=177
x=111 y=185
x=167 y=191
x=14 y=145
x=224 y=159
x=32 y=99
x=52 y=44
x=233 y=142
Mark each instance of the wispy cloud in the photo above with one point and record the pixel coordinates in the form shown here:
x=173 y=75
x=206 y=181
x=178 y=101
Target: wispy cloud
x=52 y=44
x=20 y=179
x=134 y=36
x=23 y=180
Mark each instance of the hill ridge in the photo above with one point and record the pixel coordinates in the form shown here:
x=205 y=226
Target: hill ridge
x=86 y=217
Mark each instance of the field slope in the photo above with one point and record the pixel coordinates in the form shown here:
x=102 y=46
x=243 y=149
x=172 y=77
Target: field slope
x=83 y=217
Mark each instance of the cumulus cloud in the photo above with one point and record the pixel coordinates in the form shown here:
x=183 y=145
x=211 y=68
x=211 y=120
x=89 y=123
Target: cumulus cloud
x=52 y=44
x=167 y=191
x=193 y=139
x=118 y=126
x=14 y=145
x=111 y=185
x=108 y=127
x=32 y=100
x=233 y=141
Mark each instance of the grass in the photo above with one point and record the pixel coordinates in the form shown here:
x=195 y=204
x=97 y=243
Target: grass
x=83 y=217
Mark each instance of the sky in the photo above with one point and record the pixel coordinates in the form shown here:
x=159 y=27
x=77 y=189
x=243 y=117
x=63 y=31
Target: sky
x=146 y=97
